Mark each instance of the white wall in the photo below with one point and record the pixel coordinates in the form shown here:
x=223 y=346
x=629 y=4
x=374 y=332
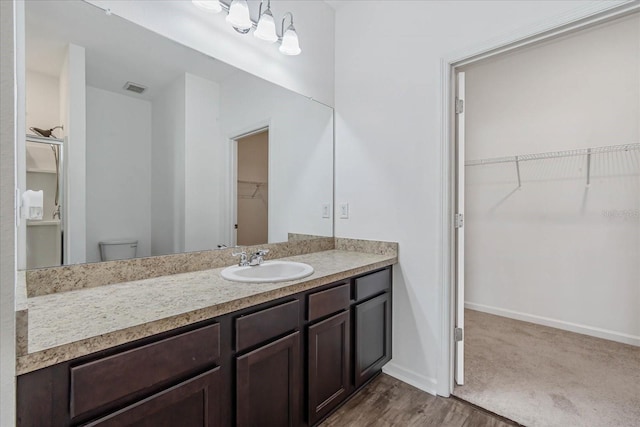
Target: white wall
x=8 y=136
x=578 y=91
x=205 y=156
x=42 y=102
x=167 y=169
x=558 y=250
x=311 y=73
x=73 y=118
x=300 y=151
x=388 y=152
x=118 y=170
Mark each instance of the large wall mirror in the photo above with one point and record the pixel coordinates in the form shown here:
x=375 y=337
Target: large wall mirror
x=155 y=148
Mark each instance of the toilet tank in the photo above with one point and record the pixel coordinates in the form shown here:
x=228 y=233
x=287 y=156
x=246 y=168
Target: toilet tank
x=111 y=250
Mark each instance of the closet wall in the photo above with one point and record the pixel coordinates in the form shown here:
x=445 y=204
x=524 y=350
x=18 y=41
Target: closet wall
x=554 y=251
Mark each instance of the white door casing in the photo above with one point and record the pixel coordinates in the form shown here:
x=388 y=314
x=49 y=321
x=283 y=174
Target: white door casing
x=459 y=225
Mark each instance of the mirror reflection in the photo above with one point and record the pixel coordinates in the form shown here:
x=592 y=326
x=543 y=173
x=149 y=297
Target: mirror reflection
x=155 y=148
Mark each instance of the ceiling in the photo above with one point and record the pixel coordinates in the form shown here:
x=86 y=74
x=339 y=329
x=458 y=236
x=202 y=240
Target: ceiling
x=117 y=51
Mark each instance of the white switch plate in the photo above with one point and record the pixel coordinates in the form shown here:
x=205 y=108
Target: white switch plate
x=344 y=210
x=326 y=210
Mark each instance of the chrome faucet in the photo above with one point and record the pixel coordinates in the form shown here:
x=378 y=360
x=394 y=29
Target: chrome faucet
x=254 y=260
x=244 y=261
x=257 y=258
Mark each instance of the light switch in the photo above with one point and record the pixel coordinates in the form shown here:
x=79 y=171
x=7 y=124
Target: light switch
x=326 y=210
x=344 y=210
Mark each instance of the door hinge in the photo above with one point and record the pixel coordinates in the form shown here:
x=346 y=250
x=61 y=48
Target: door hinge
x=458 y=334
x=459 y=220
x=459 y=106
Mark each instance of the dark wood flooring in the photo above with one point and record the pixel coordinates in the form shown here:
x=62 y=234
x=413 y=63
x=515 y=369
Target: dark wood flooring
x=389 y=402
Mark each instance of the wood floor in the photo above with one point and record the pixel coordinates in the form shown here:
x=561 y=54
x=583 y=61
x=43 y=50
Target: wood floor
x=389 y=402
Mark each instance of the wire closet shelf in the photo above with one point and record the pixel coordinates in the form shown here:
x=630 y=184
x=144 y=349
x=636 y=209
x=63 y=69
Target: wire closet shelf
x=588 y=152
x=555 y=154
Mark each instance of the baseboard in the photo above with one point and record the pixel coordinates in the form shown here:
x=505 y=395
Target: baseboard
x=410 y=377
x=559 y=324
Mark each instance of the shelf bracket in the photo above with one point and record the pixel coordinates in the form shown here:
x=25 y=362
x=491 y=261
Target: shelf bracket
x=518 y=171
x=589 y=168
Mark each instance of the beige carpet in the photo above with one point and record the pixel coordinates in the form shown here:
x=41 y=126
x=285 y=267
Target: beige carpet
x=541 y=376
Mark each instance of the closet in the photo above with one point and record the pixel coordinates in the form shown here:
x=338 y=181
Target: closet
x=552 y=228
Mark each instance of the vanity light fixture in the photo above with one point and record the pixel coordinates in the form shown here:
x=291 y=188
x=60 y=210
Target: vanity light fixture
x=212 y=6
x=290 y=44
x=239 y=17
x=265 y=28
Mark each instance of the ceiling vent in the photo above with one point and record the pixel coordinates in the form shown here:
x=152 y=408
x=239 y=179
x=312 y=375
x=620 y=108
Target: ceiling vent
x=134 y=87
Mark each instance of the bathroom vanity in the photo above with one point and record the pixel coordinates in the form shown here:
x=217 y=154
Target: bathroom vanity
x=268 y=354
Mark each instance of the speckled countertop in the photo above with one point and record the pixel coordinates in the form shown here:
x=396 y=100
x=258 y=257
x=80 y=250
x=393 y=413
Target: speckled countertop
x=63 y=326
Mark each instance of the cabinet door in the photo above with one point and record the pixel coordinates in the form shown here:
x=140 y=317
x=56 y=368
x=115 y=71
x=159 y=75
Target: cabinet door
x=328 y=365
x=193 y=403
x=372 y=337
x=269 y=386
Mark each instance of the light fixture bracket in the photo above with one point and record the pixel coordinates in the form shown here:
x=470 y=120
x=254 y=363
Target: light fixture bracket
x=283 y=20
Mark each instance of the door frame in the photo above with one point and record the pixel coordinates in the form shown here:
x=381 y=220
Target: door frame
x=579 y=19
x=261 y=126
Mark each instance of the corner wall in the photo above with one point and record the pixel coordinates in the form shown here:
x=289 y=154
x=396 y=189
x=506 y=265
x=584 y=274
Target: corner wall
x=167 y=169
x=73 y=118
x=205 y=165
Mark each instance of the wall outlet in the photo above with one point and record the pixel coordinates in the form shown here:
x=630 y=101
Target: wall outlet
x=344 y=210
x=326 y=210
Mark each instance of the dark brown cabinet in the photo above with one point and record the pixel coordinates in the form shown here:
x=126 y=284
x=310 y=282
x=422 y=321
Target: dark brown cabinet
x=372 y=337
x=288 y=362
x=97 y=384
x=192 y=403
x=269 y=386
x=329 y=364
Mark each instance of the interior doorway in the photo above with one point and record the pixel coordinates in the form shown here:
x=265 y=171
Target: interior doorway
x=551 y=199
x=252 y=188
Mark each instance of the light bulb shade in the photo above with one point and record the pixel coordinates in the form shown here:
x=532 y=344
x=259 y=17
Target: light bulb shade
x=290 y=45
x=266 y=29
x=212 y=6
x=238 y=15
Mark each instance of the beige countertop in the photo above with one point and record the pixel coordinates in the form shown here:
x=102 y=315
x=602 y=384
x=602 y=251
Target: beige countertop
x=63 y=326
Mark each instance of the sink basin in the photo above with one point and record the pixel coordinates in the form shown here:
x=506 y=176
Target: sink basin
x=268 y=272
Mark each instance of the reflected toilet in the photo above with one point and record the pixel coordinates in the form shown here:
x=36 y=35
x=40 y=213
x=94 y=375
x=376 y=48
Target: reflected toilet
x=111 y=250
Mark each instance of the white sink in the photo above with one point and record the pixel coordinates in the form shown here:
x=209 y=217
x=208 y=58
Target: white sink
x=268 y=272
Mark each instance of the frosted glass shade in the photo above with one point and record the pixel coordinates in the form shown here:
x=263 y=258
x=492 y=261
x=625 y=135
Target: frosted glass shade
x=290 y=45
x=212 y=6
x=266 y=29
x=238 y=15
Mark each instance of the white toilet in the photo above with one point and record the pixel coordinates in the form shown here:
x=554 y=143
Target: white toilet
x=111 y=250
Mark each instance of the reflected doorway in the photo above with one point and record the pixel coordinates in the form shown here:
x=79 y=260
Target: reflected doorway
x=252 y=174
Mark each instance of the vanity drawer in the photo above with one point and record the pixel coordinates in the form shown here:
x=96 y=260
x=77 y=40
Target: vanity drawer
x=259 y=327
x=372 y=284
x=329 y=301
x=135 y=371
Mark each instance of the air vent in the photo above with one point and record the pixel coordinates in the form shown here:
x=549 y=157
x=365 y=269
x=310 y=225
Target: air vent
x=134 y=87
